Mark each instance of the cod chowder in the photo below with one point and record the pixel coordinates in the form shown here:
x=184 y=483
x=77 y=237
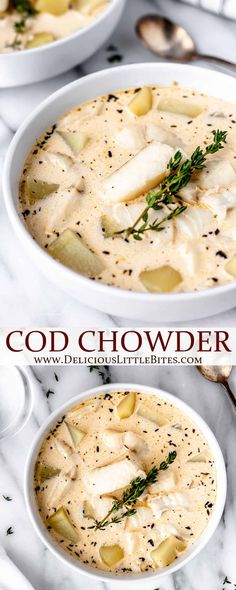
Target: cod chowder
x=125 y=482
x=26 y=24
x=137 y=190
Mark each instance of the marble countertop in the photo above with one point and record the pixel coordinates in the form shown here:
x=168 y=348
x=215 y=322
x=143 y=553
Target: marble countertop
x=27 y=298
x=46 y=572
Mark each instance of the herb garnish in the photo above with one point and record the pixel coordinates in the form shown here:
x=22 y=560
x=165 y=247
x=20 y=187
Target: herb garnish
x=180 y=174
x=49 y=392
x=7 y=498
x=25 y=8
x=103 y=372
x=131 y=495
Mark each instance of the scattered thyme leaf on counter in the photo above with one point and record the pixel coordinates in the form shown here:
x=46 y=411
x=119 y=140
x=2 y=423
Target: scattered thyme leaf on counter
x=10 y=531
x=131 y=495
x=7 y=498
x=180 y=174
x=103 y=372
x=226 y=581
x=49 y=392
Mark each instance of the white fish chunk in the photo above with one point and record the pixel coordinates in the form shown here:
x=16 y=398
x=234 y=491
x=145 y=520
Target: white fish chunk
x=143 y=516
x=189 y=193
x=130 y=138
x=70 y=121
x=63 y=448
x=134 y=442
x=172 y=501
x=219 y=203
x=190 y=257
x=140 y=174
x=217 y=173
x=61 y=486
x=65 y=204
x=131 y=542
x=59 y=160
x=166 y=482
x=126 y=215
x=101 y=506
x=157 y=133
x=113 y=439
x=116 y=441
x=107 y=479
x=193 y=222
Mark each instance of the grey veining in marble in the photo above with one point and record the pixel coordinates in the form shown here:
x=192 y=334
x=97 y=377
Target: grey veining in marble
x=44 y=571
x=26 y=296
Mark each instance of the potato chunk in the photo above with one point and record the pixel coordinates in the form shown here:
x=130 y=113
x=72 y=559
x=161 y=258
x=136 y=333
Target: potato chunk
x=75 y=140
x=46 y=471
x=140 y=174
x=230 y=267
x=88 y=510
x=76 y=434
x=35 y=190
x=160 y=280
x=71 y=252
x=55 y=7
x=167 y=551
x=88 y=6
x=151 y=415
x=39 y=39
x=142 y=102
x=4 y=5
x=111 y=554
x=109 y=226
x=180 y=106
x=126 y=407
x=61 y=524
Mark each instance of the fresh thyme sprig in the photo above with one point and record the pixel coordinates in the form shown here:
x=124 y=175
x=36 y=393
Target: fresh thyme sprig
x=180 y=173
x=25 y=9
x=131 y=495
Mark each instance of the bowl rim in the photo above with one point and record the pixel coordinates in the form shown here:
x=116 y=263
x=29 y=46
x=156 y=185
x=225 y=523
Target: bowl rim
x=11 y=55
x=100 y=574
x=21 y=230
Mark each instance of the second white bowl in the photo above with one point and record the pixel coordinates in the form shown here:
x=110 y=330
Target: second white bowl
x=33 y=65
x=140 y=306
x=106 y=576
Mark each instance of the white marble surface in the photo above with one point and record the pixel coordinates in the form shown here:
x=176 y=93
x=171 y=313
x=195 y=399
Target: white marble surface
x=44 y=571
x=26 y=297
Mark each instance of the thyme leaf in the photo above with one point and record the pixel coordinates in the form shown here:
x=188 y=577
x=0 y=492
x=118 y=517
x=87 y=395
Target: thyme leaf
x=10 y=531
x=180 y=174
x=130 y=496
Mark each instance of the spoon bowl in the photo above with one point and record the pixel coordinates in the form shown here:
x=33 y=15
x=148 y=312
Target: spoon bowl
x=170 y=41
x=219 y=374
x=165 y=38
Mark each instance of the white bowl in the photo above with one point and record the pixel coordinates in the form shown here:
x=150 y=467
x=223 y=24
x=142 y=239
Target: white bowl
x=140 y=306
x=106 y=576
x=32 y=65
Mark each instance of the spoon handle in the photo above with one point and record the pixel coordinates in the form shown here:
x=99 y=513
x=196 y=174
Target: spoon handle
x=219 y=60
x=230 y=393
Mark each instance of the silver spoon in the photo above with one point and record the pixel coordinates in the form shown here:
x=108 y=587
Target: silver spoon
x=170 y=41
x=219 y=374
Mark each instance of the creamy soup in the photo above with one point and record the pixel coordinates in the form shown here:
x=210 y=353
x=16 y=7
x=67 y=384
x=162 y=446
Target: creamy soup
x=87 y=178
x=94 y=454
x=25 y=24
